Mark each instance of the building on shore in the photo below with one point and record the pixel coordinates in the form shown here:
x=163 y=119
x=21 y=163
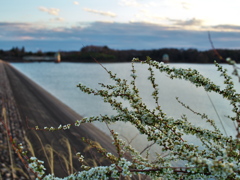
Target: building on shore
x=165 y=58
x=55 y=58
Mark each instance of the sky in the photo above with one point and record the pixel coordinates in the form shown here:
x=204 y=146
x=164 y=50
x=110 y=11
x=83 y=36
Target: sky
x=65 y=25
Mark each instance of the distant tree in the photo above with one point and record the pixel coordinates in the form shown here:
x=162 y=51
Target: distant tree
x=39 y=53
x=23 y=50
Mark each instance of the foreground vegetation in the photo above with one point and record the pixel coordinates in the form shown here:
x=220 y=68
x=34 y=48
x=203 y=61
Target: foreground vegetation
x=218 y=156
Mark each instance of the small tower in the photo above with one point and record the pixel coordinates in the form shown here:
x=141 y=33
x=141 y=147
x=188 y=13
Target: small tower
x=165 y=58
x=57 y=57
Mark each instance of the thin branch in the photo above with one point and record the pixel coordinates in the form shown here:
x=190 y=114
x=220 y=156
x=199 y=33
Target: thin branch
x=150 y=145
x=214 y=49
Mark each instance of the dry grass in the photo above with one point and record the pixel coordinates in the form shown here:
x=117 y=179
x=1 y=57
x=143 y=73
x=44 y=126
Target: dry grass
x=66 y=142
x=30 y=147
x=49 y=150
x=49 y=160
x=49 y=153
x=22 y=172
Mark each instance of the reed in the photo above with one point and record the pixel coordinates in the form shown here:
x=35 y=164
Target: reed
x=66 y=142
x=30 y=146
x=49 y=150
x=65 y=160
x=44 y=151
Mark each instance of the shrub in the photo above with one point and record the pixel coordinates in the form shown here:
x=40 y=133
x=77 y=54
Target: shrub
x=218 y=156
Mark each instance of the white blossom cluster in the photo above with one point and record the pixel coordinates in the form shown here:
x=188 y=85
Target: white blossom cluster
x=37 y=166
x=218 y=157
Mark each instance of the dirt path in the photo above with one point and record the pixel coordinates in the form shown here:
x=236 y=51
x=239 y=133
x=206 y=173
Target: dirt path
x=37 y=107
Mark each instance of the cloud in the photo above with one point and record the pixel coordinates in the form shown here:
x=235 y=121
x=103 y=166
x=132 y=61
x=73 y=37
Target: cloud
x=115 y=35
x=58 y=19
x=52 y=11
x=185 y=5
x=134 y=3
x=100 y=12
x=147 y=15
x=26 y=38
x=190 y=22
x=7 y=28
x=227 y=27
x=76 y=3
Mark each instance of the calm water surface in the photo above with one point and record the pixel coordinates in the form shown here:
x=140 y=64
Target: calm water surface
x=61 y=80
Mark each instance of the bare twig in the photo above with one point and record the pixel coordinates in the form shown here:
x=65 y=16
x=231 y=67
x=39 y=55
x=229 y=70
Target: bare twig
x=214 y=49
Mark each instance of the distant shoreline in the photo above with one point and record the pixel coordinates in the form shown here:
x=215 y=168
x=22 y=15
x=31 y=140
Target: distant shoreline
x=105 y=54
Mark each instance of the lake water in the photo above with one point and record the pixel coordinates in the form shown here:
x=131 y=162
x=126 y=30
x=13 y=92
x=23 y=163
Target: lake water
x=61 y=80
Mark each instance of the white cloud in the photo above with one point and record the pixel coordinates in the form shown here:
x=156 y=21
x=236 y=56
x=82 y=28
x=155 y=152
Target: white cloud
x=25 y=38
x=76 y=3
x=185 y=5
x=135 y=3
x=104 y=13
x=52 y=11
x=150 y=15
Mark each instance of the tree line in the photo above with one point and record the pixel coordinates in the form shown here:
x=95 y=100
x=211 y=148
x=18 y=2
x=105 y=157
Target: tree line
x=105 y=54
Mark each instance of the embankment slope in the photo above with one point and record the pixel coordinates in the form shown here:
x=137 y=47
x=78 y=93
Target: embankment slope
x=37 y=107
